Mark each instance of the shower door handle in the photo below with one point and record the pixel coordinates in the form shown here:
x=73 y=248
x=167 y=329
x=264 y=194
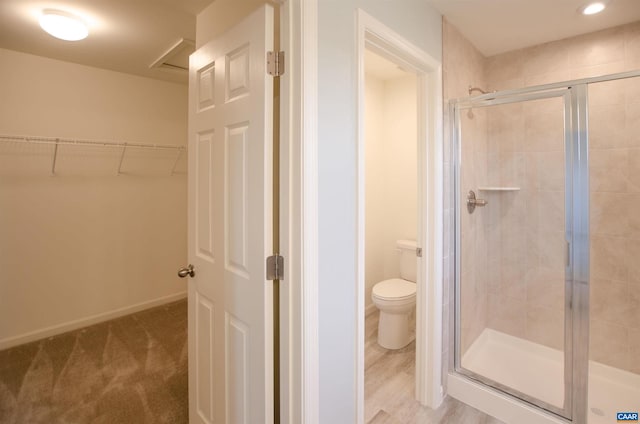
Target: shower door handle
x=472 y=202
x=186 y=271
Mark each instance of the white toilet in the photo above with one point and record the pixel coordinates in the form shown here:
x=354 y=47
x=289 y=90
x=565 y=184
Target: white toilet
x=396 y=298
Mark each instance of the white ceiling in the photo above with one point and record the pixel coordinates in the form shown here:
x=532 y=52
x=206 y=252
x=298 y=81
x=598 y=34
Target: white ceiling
x=130 y=35
x=497 y=26
x=125 y=35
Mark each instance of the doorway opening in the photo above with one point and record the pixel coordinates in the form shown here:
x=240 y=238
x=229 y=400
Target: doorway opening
x=390 y=233
x=410 y=173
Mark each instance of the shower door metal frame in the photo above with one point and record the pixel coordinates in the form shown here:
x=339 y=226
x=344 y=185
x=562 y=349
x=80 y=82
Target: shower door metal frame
x=577 y=195
x=456 y=108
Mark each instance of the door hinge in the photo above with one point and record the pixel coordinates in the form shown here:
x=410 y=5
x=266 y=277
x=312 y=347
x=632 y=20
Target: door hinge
x=419 y=252
x=275 y=63
x=275 y=267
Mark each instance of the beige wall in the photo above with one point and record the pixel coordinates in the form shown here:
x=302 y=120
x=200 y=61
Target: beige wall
x=391 y=174
x=86 y=242
x=525 y=149
x=462 y=67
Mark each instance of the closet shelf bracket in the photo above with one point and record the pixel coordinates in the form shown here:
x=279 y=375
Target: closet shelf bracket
x=55 y=157
x=124 y=150
x=175 y=163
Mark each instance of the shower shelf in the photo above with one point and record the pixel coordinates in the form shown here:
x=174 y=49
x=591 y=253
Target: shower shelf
x=494 y=188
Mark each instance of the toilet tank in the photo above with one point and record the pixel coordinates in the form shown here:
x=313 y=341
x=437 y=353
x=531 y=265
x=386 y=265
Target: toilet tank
x=408 y=259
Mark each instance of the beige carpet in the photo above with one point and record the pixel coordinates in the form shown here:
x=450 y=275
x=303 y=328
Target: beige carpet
x=129 y=370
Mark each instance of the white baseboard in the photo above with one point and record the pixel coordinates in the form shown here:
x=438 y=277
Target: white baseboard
x=83 y=322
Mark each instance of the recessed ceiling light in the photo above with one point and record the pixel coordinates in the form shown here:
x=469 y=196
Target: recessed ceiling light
x=63 y=25
x=593 y=8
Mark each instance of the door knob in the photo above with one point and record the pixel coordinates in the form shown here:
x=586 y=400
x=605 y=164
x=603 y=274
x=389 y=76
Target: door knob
x=472 y=202
x=186 y=271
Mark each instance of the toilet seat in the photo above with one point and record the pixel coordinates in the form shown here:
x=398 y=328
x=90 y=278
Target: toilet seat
x=394 y=289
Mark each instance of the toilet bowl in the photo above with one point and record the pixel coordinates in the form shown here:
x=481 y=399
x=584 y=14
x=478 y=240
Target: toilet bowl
x=396 y=298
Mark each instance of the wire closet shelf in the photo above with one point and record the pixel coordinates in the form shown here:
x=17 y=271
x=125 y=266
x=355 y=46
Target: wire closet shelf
x=123 y=145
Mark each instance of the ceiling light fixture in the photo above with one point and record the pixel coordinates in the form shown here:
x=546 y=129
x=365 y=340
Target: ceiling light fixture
x=593 y=8
x=63 y=25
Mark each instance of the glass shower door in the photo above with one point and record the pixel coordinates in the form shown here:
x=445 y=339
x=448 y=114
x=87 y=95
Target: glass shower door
x=513 y=324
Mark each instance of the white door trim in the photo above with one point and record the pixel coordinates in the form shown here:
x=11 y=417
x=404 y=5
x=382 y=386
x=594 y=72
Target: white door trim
x=374 y=35
x=310 y=318
x=299 y=214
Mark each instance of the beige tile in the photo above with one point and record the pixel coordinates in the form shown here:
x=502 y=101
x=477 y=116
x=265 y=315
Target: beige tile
x=632 y=261
x=552 y=248
x=532 y=243
x=551 y=213
x=546 y=289
x=505 y=66
x=509 y=84
x=512 y=173
x=633 y=214
x=545 y=58
x=546 y=326
x=530 y=200
x=531 y=172
x=608 y=214
x=632 y=41
x=608 y=258
x=608 y=92
x=634 y=351
x=633 y=158
x=505 y=126
x=551 y=166
x=607 y=127
x=548 y=78
x=609 y=169
x=507 y=315
x=494 y=171
x=609 y=344
x=609 y=301
x=598 y=70
x=544 y=132
x=632 y=319
x=632 y=88
x=542 y=106
x=632 y=63
x=598 y=48
x=514 y=281
x=633 y=124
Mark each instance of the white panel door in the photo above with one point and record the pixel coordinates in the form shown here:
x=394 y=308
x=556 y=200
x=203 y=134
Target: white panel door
x=230 y=226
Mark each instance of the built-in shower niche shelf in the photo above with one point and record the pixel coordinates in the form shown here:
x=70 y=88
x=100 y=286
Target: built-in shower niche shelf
x=496 y=188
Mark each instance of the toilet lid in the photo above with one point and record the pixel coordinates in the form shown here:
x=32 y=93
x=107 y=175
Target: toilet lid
x=395 y=288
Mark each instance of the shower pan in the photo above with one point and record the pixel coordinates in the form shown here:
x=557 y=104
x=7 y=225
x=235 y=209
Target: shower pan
x=521 y=280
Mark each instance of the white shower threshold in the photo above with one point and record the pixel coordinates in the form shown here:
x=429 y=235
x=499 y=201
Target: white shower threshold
x=538 y=371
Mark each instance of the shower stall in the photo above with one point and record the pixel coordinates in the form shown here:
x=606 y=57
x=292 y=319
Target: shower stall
x=545 y=320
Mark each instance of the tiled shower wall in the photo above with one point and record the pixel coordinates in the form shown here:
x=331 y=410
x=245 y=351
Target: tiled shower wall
x=463 y=65
x=524 y=229
x=614 y=120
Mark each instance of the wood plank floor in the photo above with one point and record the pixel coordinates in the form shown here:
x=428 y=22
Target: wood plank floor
x=389 y=388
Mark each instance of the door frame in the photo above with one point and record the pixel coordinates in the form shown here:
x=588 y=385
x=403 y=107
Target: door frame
x=299 y=317
x=374 y=35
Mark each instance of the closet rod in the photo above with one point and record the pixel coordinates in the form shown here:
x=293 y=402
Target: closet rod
x=78 y=142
